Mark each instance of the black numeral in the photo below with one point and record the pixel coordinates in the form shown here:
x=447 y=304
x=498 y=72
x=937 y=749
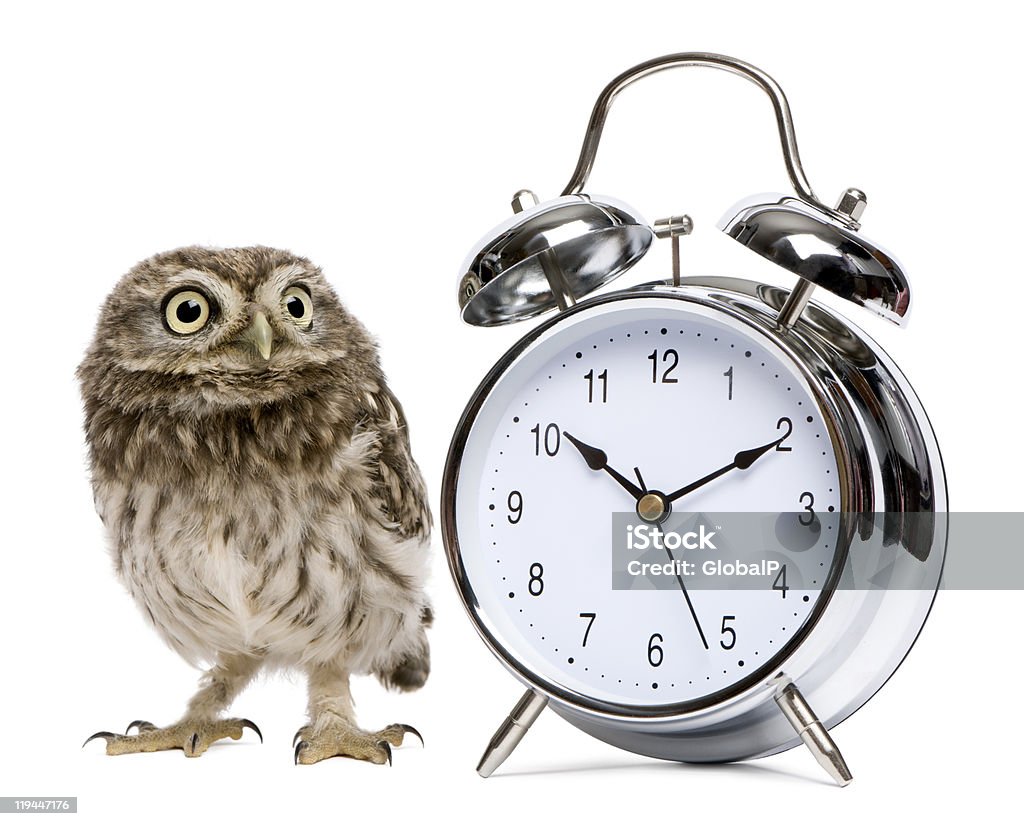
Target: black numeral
x=728 y=631
x=655 y=656
x=670 y=361
x=784 y=423
x=728 y=375
x=590 y=624
x=780 y=582
x=515 y=507
x=809 y=507
x=552 y=439
x=536 y=586
x=602 y=377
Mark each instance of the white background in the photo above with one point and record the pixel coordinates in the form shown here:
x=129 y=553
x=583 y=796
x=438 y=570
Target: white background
x=382 y=142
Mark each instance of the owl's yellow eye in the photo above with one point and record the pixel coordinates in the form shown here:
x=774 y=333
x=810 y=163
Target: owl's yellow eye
x=187 y=312
x=299 y=306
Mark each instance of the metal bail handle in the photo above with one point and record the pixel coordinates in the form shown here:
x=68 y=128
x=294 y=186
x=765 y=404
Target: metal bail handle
x=783 y=117
x=819 y=243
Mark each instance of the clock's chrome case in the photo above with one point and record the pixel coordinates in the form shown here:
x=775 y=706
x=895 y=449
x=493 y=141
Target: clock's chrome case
x=894 y=491
x=892 y=475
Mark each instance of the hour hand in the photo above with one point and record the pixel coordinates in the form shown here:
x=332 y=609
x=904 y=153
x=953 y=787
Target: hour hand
x=597 y=459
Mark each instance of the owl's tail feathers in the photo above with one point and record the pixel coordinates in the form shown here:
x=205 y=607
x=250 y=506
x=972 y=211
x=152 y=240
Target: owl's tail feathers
x=411 y=670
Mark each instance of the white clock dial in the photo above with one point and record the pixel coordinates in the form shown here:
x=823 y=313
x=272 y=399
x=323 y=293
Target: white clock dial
x=678 y=391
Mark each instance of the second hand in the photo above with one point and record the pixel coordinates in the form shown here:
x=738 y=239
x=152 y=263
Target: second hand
x=689 y=602
x=679 y=578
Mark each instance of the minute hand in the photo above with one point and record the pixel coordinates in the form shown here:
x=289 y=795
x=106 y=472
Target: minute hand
x=743 y=460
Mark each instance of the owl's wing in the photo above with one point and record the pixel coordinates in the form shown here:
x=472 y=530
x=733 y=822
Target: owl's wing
x=399 y=484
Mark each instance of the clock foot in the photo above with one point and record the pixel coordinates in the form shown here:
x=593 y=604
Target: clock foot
x=511 y=732
x=812 y=732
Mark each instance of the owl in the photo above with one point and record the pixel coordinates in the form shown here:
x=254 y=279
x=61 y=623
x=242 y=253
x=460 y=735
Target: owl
x=254 y=475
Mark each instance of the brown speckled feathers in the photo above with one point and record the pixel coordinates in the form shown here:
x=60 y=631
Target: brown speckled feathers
x=265 y=507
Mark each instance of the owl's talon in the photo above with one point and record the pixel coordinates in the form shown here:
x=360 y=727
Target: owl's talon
x=384 y=744
x=192 y=743
x=141 y=725
x=247 y=723
x=411 y=730
x=298 y=748
x=106 y=735
x=298 y=736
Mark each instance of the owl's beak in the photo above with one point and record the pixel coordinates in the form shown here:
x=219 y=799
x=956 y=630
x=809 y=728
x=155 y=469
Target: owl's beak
x=260 y=335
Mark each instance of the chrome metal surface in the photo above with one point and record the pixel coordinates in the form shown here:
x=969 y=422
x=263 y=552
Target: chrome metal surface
x=826 y=252
x=674 y=227
x=523 y=200
x=549 y=255
x=795 y=304
x=783 y=117
x=511 y=732
x=852 y=202
x=889 y=463
x=814 y=735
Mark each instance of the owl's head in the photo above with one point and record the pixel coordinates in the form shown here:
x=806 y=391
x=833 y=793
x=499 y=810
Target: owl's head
x=202 y=330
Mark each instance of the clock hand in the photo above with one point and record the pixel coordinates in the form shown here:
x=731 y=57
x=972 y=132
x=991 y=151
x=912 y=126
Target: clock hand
x=686 y=595
x=597 y=459
x=743 y=460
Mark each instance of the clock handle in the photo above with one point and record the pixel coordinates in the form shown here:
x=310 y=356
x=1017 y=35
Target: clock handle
x=512 y=731
x=814 y=735
x=783 y=117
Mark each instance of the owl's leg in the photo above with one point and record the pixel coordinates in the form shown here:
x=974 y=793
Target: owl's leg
x=202 y=725
x=332 y=730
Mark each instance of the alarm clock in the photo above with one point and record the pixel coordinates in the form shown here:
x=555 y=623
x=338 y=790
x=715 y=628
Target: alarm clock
x=696 y=396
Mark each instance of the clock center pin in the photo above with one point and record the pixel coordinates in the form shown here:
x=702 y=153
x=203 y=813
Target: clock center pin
x=653 y=507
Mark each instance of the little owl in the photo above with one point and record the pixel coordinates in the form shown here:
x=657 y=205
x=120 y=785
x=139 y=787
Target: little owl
x=254 y=475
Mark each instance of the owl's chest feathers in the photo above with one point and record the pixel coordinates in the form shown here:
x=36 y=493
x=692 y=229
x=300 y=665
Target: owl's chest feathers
x=240 y=532
x=302 y=436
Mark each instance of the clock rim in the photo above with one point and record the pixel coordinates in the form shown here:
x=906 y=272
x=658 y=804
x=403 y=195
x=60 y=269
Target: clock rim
x=837 y=429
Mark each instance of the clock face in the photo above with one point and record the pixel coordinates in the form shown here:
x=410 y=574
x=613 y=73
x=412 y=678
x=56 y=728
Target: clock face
x=655 y=409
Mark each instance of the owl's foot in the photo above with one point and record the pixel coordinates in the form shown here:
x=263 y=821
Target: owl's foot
x=345 y=740
x=191 y=736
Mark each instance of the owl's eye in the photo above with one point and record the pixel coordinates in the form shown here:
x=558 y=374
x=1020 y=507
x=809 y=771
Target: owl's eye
x=187 y=312
x=299 y=305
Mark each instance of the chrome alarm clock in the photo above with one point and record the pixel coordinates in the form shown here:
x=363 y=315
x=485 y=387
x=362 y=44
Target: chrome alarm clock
x=697 y=396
